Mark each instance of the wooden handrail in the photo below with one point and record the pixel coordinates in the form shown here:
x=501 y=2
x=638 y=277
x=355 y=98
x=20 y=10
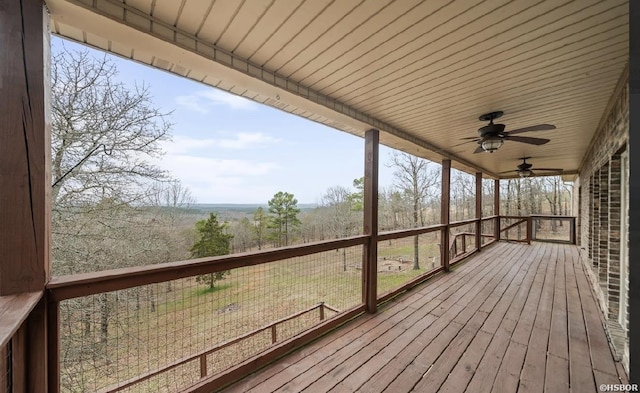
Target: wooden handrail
x=202 y=354
x=14 y=310
x=487 y=218
x=389 y=235
x=513 y=225
x=549 y=217
x=463 y=222
x=78 y=285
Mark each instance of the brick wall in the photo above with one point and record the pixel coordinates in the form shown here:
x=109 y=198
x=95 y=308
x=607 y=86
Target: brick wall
x=600 y=207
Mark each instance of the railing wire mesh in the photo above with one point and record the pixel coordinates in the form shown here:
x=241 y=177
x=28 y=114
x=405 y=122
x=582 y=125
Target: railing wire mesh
x=130 y=335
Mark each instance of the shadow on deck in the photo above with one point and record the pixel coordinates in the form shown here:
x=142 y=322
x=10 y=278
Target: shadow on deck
x=513 y=318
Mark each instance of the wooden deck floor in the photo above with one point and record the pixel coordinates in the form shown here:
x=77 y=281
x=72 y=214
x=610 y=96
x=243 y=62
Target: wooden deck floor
x=513 y=318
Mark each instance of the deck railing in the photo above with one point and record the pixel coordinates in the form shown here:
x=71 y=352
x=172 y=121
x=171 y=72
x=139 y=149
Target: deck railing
x=159 y=328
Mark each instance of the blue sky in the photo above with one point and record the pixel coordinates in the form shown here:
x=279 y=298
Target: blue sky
x=227 y=149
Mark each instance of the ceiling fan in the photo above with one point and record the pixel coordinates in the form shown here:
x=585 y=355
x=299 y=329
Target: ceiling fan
x=492 y=136
x=524 y=169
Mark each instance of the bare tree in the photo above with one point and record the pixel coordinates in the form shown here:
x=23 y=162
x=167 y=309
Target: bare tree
x=414 y=179
x=338 y=203
x=102 y=132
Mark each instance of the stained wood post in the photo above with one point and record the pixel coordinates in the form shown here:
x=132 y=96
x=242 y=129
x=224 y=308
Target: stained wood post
x=478 y=210
x=25 y=177
x=496 y=208
x=203 y=366
x=370 y=254
x=529 y=229
x=444 y=212
x=53 y=346
x=24 y=149
x=634 y=193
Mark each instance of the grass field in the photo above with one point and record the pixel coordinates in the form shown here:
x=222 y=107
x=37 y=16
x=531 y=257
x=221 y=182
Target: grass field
x=151 y=326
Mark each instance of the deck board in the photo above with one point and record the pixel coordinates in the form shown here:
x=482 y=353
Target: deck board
x=513 y=318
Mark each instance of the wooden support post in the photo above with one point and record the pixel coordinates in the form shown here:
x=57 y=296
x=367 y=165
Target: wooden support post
x=203 y=366
x=53 y=346
x=24 y=150
x=634 y=193
x=496 y=208
x=370 y=255
x=274 y=334
x=445 y=201
x=25 y=178
x=529 y=229
x=322 y=312
x=478 y=210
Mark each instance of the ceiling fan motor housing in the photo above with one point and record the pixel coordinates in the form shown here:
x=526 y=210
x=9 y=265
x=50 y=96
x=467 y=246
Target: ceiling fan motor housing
x=491 y=130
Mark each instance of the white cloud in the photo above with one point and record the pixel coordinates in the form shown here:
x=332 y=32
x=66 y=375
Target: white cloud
x=215 y=179
x=242 y=140
x=203 y=101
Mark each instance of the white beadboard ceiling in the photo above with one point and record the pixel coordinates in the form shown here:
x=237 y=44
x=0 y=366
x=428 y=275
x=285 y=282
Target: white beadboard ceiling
x=421 y=71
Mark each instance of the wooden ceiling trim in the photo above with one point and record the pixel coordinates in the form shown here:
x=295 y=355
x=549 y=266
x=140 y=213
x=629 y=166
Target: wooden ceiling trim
x=281 y=37
x=227 y=59
x=250 y=13
x=378 y=25
x=278 y=13
x=441 y=77
x=458 y=61
x=219 y=18
x=520 y=89
x=401 y=45
x=463 y=28
x=587 y=94
x=145 y=6
x=516 y=68
x=342 y=31
x=357 y=54
x=312 y=32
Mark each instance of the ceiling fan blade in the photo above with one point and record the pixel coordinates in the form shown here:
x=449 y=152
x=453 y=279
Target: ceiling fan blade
x=500 y=173
x=479 y=149
x=464 y=143
x=470 y=137
x=550 y=169
x=539 y=127
x=527 y=139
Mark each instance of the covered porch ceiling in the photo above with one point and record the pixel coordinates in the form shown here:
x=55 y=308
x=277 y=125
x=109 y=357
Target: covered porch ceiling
x=422 y=72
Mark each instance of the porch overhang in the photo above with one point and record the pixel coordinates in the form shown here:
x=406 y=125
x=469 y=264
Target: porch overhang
x=420 y=72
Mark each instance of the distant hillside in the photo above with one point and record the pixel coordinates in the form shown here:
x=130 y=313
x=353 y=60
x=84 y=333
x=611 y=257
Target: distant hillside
x=240 y=207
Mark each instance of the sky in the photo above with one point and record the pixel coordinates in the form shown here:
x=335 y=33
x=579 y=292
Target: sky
x=228 y=149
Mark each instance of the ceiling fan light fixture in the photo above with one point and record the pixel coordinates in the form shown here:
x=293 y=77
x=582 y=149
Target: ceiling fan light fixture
x=524 y=173
x=492 y=144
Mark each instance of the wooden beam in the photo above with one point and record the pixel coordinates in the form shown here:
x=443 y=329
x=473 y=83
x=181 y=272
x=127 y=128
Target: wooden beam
x=496 y=207
x=53 y=345
x=24 y=149
x=370 y=255
x=634 y=192
x=478 y=210
x=445 y=200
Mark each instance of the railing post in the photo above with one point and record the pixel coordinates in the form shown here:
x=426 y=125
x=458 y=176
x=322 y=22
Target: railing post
x=478 y=210
x=203 y=365
x=572 y=232
x=444 y=212
x=370 y=254
x=322 y=311
x=53 y=346
x=496 y=208
x=274 y=334
x=529 y=229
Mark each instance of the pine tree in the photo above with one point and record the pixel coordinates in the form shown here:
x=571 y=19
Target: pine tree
x=212 y=241
x=283 y=208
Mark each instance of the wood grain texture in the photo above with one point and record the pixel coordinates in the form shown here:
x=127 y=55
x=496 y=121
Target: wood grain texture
x=24 y=151
x=490 y=325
